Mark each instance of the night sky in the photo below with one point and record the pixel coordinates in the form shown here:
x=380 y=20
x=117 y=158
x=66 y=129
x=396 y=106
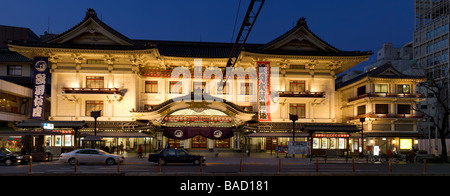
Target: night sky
x=346 y=24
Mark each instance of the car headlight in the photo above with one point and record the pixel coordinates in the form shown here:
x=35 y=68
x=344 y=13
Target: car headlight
x=19 y=157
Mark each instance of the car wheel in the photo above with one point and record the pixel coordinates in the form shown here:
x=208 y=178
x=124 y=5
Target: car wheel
x=72 y=161
x=197 y=162
x=8 y=162
x=110 y=161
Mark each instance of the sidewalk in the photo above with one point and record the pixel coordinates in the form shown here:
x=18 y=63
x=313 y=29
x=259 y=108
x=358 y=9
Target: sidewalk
x=231 y=157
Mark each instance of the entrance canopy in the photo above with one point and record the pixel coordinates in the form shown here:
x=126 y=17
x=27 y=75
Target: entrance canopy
x=182 y=133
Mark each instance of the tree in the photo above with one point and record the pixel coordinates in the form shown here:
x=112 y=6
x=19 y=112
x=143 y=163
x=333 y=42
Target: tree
x=439 y=117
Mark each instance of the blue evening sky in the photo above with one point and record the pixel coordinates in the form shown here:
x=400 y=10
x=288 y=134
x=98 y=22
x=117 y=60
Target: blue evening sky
x=346 y=24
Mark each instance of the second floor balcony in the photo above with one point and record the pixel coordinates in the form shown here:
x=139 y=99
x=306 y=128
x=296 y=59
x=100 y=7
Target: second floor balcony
x=395 y=116
x=91 y=90
x=386 y=95
x=301 y=94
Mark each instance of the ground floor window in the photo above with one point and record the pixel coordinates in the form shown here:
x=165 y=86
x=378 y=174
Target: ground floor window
x=330 y=143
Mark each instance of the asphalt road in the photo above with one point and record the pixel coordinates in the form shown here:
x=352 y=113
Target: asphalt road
x=231 y=166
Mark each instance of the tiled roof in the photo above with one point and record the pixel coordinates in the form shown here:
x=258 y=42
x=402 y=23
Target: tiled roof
x=196 y=49
x=9 y=57
x=377 y=73
x=187 y=49
x=90 y=14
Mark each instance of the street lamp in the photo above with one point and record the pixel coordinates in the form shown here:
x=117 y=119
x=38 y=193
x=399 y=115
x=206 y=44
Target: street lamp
x=362 y=120
x=95 y=115
x=293 y=118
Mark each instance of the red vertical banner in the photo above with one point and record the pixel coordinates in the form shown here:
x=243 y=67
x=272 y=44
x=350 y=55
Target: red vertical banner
x=264 y=92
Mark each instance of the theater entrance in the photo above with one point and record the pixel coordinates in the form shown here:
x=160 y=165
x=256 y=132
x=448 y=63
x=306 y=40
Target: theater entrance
x=199 y=142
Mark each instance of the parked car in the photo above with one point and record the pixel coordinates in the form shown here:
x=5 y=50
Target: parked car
x=90 y=156
x=175 y=156
x=9 y=158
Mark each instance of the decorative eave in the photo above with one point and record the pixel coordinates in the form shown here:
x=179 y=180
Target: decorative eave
x=340 y=63
x=32 y=50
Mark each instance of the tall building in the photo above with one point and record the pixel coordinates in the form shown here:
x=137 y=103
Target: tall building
x=431 y=47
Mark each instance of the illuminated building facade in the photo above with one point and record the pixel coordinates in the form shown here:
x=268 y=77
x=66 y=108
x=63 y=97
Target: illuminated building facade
x=143 y=102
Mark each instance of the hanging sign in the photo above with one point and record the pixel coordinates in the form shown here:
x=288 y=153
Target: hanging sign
x=40 y=66
x=264 y=92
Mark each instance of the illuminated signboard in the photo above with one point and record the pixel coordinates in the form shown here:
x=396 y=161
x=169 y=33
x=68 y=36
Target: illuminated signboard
x=264 y=92
x=40 y=66
x=48 y=126
x=406 y=144
x=332 y=135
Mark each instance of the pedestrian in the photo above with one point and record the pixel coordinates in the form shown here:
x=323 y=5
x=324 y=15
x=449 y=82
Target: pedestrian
x=121 y=147
x=249 y=148
x=412 y=154
x=140 y=152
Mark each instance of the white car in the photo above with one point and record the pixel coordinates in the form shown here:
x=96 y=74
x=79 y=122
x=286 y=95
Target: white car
x=90 y=156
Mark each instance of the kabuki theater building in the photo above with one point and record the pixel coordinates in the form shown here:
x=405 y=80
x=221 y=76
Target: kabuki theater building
x=158 y=94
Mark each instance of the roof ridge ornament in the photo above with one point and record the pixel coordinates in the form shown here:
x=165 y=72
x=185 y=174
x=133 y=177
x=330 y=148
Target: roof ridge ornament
x=302 y=22
x=90 y=13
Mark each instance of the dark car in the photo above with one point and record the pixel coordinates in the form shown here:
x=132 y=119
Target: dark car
x=175 y=156
x=9 y=158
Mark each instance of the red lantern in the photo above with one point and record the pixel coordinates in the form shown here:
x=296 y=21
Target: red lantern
x=166 y=118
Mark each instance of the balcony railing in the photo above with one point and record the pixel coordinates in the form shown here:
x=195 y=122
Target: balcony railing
x=91 y=90
x=393 y=95
x=406 y=116
x=301 y=94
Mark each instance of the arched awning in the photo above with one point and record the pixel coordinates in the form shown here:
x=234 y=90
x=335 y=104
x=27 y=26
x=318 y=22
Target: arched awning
x=157 y=114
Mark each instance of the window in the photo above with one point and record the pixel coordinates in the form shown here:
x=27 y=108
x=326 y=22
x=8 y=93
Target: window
x=403 y=88
x=381 y=108
x=381 y=88
x=361 y=90
x=297 y=85
x=226 y=88
x=246 y=89
x=151 y=86
x=361 y=110
x=297 y=109
x=95 y=82
x=2 y=102
x=176 y=87
x=403 y=109
x=14 y=70
x=94 y=106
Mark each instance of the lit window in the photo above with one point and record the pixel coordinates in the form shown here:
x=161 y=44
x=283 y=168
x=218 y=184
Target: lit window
x=297 y=109
x=381 y=88
x=95 y=82
x=94 y=106
x=151 y=86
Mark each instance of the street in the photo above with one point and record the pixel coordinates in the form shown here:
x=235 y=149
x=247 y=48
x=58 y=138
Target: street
x=239 y=166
